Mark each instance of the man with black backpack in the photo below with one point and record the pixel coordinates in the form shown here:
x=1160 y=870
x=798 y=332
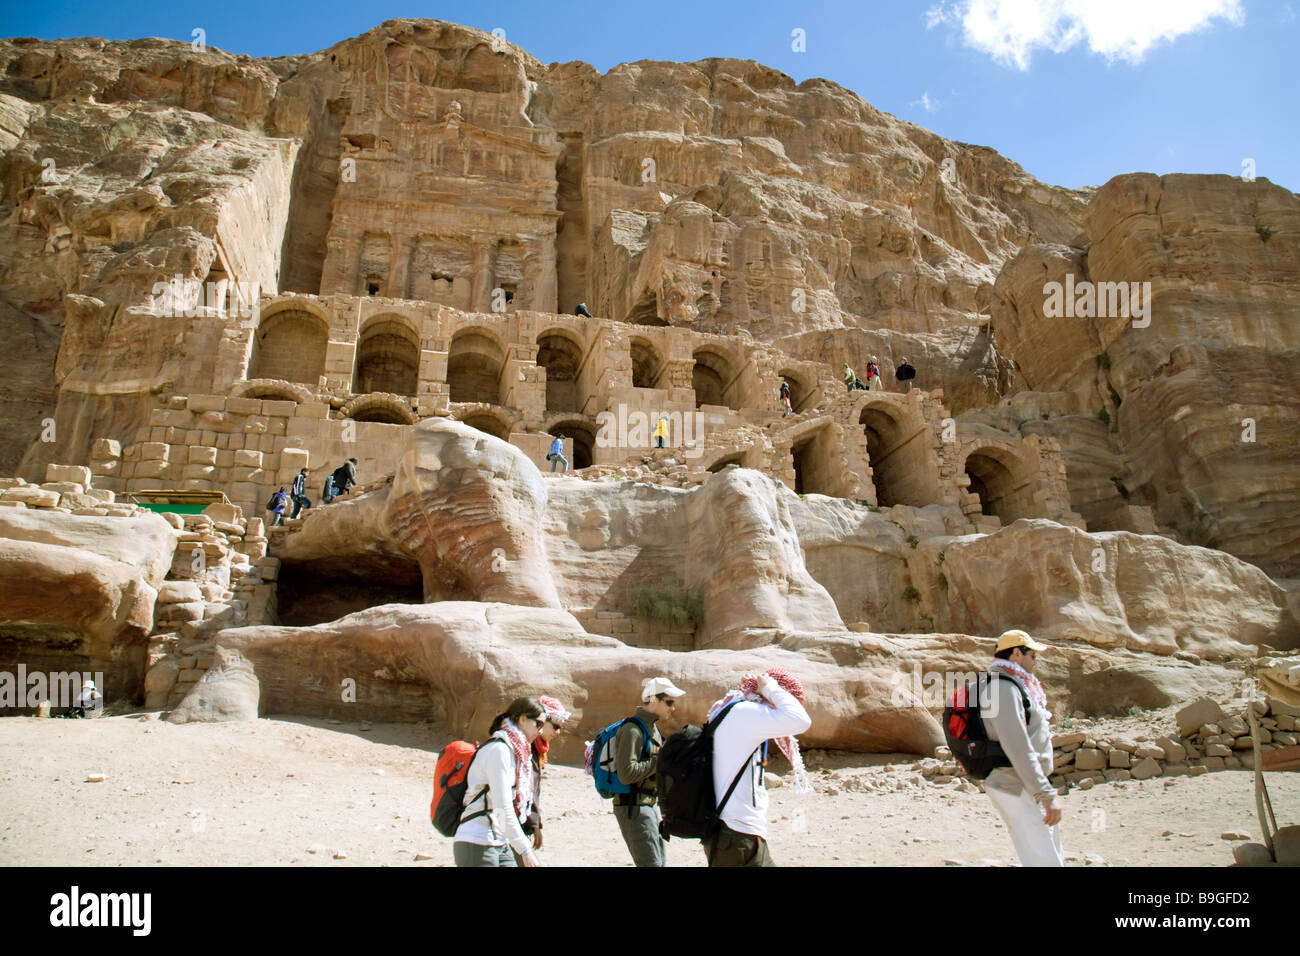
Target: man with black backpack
x=635 y=759
x=1014 y=713
x=340 y=480
x=767 y=706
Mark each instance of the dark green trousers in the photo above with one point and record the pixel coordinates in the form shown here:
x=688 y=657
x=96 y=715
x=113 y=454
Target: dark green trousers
x=729 y=848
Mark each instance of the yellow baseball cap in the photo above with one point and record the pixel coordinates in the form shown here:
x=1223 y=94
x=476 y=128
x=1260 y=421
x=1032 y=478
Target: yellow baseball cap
x=1010 y=639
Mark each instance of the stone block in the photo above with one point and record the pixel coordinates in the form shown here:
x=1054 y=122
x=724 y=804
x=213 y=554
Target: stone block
x=101 y=494
x=31 y=496
x=11 y=483
x=245 y=458
x=1174 y=752
x=1068 y=740
x=105 y=449
x=1146 y=768
x=293 y=459
x=1089 y=758
x=255 y=528
x=154 y=451
x=283 y=409
x=1119 y=759
x=1175 y=770
x=1153 y=751
x=12 y=503
x=1198 y=712
x=110 y=468
x=198 y=472
x=312 y=410
x=1118 y=774
x=198 y=404
x=190 y=674
x=1232 y=724
x=1217 y=750
x=201 y=455
x=1214 y=763
x=64 y=487
x=78 y=474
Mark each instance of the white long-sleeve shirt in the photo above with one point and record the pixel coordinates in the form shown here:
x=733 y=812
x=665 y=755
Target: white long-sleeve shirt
x=494 y=768
x=1029 y=746
x=736 y=742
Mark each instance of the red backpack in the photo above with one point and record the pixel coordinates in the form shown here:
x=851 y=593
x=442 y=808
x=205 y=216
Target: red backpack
x=450 y=779
x=963 y=727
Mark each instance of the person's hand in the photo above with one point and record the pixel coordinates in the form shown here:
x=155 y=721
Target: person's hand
x=1051 y=811
x=537 y=839
x=766 y=683
x=532 y=859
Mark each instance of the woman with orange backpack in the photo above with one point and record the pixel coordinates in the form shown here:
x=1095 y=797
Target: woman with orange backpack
x=552 y=724
x=499 y=791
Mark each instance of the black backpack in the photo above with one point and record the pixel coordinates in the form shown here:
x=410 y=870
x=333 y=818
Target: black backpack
x=964 y=727
x=684 y=777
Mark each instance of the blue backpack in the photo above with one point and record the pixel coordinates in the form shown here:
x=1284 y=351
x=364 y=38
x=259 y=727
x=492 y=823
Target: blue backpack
x=600 y=759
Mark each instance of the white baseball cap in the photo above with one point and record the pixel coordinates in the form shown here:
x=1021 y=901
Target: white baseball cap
x=660 y=685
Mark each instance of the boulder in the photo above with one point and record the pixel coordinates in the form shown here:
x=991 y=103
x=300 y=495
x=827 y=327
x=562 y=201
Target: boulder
x=1194 y=715
x=455 y=663
x=228 y=690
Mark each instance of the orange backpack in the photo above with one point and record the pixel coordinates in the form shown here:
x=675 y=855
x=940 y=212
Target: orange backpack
x=450 y=776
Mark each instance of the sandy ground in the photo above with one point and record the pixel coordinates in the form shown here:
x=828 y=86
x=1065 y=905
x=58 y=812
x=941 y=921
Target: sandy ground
x=278 y=792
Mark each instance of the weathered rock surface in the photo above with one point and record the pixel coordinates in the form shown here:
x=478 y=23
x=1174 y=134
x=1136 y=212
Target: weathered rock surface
x=456 y=663
x=1201 y=392
x=228 y=690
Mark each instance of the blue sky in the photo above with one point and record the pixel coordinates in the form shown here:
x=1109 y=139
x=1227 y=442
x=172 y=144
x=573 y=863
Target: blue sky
x=1076 y=91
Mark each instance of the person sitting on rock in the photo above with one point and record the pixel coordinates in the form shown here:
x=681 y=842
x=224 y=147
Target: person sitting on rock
x=785 y=398
x=1021 y=793
x=278 y=504
x=500 y=780
x=766 y=706
x=582 y=310
x=552 y=724
x=556 y=455
x=89 y=698
x=905 y=373
x=298 y=493
x=851 y=380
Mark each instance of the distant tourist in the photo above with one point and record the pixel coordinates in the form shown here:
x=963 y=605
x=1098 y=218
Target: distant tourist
x=88 y=699
x=661 y=431
x=1015 y=714
x=874 y=382
x=582 y=310
x=851 y=380
x=552 y=723
x=278 y=504
x=766 y=706
x=785 y=398
x=556 y=455
x=298 y=493
x=499 y=792
x=340 y=480
x=905 y=373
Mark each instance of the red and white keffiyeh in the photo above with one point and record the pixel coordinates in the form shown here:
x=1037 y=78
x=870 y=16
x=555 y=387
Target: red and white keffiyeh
x=555 y=711
x=1028 y=681
x=512 y=735
x=789 y=746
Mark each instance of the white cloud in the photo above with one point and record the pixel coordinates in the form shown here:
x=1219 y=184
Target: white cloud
x=925 y=102
x=1011 y=30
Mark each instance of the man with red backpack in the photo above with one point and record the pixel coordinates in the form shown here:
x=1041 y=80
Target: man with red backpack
x=1015 y=714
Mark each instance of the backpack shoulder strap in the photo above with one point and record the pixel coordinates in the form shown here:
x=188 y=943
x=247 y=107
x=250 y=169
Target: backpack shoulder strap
x=744 y=764
x=645 y=746
x=483 y=790
x=1024 y=694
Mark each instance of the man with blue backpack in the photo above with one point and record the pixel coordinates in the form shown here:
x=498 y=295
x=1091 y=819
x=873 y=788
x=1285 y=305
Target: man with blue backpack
x=624 y=759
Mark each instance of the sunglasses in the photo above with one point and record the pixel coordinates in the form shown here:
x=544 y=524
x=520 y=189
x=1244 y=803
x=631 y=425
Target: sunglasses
x=668 y=701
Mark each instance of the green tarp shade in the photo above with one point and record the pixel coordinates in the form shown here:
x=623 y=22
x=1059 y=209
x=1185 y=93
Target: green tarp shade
x=174 y=509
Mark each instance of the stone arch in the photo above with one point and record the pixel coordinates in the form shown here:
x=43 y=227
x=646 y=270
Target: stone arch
x=583 y=434
x=492 y=420
x=647 y=362
x=475 y=363
x=289 y=344
x=388 y=356
x=561 y=353
x=376 y=407
x=817 y=459
x=711 y=377
x=995 y=475
x=274 y=389
x=897 y=452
